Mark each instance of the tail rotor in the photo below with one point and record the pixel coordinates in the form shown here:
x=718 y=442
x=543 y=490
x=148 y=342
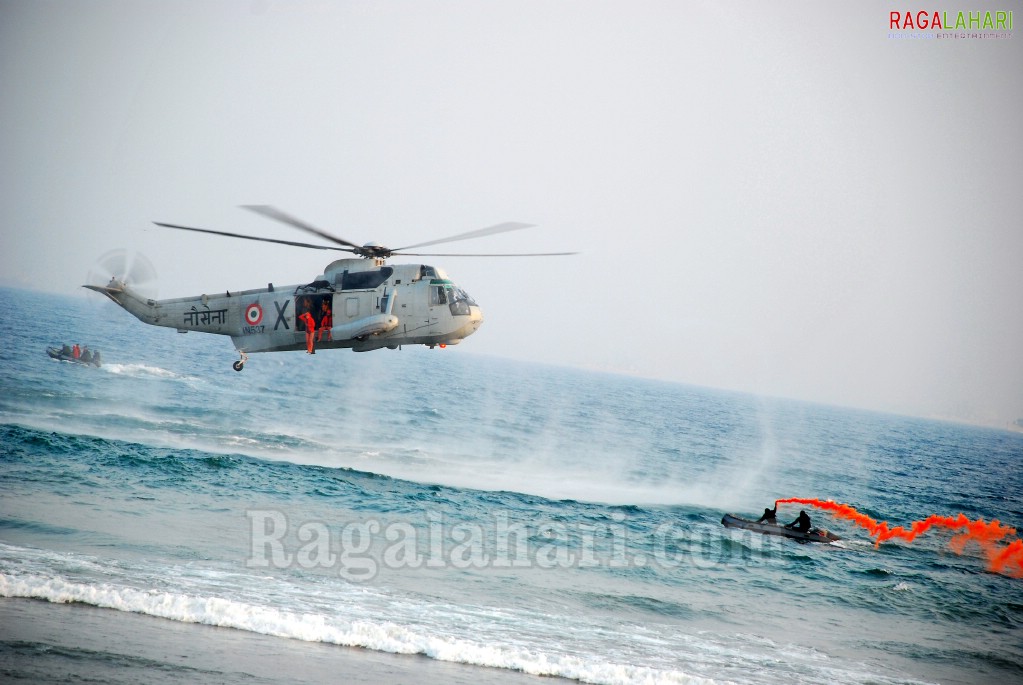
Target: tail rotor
x=120 y=269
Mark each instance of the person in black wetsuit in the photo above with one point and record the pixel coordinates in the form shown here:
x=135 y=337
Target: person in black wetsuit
x=770 y=515
x=801 y=524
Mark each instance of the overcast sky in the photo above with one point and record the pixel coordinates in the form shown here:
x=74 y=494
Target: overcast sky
x=773 y=197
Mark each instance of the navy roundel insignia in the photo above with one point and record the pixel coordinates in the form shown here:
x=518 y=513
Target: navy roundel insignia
x=253 y=314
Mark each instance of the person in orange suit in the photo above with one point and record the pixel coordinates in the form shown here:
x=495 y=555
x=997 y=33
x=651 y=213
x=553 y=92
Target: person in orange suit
x=310 y=330
x=326 y=321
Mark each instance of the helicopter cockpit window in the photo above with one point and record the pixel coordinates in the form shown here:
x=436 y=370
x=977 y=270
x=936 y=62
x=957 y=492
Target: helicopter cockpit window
x=458 y=300
x=438 y=295
x=427 y=271
x=365 y=280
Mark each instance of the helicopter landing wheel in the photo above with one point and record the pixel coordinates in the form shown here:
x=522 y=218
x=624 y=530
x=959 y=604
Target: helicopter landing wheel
x=238 y=365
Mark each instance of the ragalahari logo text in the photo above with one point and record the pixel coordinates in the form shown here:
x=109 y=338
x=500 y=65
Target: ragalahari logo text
x=950 y=24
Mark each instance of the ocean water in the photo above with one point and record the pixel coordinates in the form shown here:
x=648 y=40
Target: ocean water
x=518 y=517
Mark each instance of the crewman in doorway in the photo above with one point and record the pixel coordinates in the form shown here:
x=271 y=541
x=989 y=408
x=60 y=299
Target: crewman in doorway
x=326 y=321
x=310 y=330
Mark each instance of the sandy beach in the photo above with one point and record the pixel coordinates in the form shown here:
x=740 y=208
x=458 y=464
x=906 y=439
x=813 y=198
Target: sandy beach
x=42 y=642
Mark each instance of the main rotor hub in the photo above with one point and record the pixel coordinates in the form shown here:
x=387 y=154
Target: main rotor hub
x=374 y=250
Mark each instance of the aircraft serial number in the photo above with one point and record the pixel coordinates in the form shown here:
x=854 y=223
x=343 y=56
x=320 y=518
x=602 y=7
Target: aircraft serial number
x=249 y=330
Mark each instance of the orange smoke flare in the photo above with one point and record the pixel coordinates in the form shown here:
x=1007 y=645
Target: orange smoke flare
x=1006 y=560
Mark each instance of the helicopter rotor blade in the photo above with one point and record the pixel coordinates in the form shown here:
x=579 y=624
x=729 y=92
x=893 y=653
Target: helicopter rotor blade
x=478 y=233
x=476 y=254
x=369 y=250
x=228 y=234
x=277 y=215
x=141 y=273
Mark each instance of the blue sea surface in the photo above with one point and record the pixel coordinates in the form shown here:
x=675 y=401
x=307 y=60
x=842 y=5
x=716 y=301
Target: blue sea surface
x=476 y=510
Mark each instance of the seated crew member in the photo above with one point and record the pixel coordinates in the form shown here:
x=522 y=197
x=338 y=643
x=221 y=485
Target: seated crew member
x=326 y=322
x=770 y=515
x=801 y=524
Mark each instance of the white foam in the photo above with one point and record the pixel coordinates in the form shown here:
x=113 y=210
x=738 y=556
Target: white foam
x=312 y=627
x=144 y=370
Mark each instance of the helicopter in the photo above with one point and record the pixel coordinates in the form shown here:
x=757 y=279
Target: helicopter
x=360 y=302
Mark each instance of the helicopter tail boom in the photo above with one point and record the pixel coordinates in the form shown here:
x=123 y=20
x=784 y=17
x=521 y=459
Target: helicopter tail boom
x=143 y=310
x=204 y=314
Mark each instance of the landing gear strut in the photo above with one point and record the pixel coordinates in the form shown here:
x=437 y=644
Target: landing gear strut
x=240 y=364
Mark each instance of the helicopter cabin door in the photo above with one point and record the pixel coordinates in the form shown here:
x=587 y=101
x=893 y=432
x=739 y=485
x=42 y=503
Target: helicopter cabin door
x=321 y=307
x=438 y=304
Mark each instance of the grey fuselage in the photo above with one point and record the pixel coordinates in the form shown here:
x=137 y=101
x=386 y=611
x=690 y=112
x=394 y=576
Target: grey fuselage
x=364 y=305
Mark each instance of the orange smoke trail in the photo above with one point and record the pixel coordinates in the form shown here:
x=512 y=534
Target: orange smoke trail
x=1006 y=560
